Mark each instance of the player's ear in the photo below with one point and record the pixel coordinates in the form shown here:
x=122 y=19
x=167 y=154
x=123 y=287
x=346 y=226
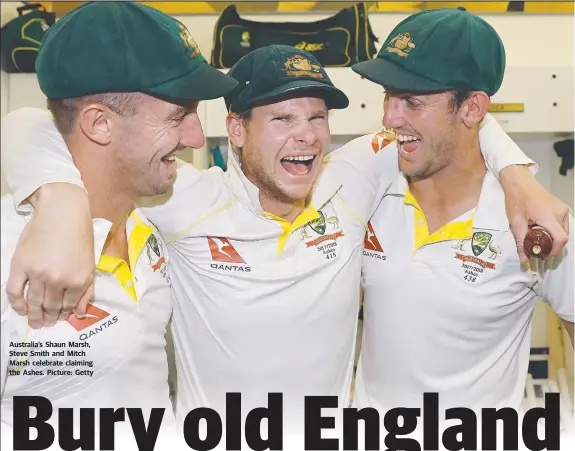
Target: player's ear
x=95 y=121
x=474 y=108
x=237 y=129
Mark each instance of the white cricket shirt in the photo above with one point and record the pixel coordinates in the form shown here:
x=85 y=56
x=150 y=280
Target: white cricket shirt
x=450 y=312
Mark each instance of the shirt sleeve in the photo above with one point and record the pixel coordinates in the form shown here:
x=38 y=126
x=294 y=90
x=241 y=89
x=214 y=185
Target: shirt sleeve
x=366 y=168
x=194 y=196
x=368 y=165
x=499 y=150
x=556 y=278
x=34 y=154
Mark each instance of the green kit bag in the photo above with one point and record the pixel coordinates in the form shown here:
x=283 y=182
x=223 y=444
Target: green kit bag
x=338 y=41
x=21 y=38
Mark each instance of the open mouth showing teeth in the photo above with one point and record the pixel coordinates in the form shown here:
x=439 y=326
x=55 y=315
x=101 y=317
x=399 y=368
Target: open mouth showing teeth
x=300 y=165
x=408 y=143
x=169 y=158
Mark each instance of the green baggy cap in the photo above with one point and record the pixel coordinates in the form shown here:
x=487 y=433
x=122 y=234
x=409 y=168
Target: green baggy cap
x=104 y=47
x=437 y=50
x=269 y=73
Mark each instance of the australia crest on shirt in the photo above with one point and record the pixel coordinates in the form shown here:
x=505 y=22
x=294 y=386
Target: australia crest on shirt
x=478 y=255
x=323 y=233
x=157 y=257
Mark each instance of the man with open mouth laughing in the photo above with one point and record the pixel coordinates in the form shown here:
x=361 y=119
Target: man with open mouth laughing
x=279 y=127
x=265 y=257
x=448 y=301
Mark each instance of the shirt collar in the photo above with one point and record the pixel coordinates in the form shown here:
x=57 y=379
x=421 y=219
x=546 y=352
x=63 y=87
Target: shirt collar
x=137 y=230
x=101 y=230
x=490 y=213
x=243 y=189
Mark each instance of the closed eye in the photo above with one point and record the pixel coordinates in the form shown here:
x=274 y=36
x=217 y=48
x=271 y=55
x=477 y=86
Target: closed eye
x=179 y=119
x=413 y=104
x=182 y=112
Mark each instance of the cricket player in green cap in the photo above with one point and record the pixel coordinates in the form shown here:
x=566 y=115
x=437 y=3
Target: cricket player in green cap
x=448 y=303
x=123 y=82
x=265 y=257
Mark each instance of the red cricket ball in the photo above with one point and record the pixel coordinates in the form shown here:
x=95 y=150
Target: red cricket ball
x=538 y=243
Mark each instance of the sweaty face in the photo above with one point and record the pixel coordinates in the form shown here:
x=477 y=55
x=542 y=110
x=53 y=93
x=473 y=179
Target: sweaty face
x=426 y=129
x=284 y=145
x=149 y=140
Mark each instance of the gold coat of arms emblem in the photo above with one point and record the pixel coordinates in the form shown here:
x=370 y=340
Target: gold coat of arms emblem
x=401 y=44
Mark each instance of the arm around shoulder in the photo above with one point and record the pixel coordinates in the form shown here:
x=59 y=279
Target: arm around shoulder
x=195 y=195
x=34 y=154
x=366 y=166
x=498 y=149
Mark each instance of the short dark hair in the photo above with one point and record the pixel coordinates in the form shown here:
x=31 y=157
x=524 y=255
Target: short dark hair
x=65 y=111
x=457 y=99
x=246 y=115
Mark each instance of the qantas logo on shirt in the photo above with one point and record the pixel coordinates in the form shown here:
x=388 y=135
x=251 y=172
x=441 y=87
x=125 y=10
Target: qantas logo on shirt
x=223 y=251
x=93 y=315
x=371 y=243
x=382 y=139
